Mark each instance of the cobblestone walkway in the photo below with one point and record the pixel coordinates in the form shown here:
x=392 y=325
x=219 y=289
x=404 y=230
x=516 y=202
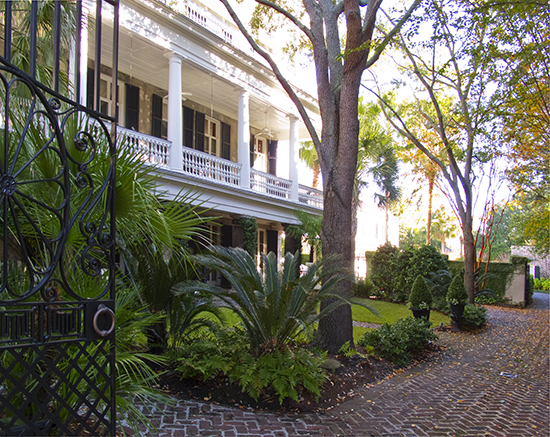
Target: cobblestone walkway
x=495 y=383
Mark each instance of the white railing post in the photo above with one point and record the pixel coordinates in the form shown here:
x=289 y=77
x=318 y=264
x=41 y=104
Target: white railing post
x=294 y=157
x=244 y=138
x=175 y=112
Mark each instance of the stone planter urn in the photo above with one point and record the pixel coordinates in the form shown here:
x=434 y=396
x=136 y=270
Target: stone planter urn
x=420 y=314
x=457 y=311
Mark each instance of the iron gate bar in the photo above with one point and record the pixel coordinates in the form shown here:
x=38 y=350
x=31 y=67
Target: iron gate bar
x=56 y=44
x=7 y=31
x=33 y=36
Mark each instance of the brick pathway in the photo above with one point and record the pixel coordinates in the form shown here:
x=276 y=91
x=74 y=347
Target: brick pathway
x=495 y=383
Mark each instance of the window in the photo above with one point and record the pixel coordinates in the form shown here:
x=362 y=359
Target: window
x=212 y=143
x=105 y=94
x=206 y=134
x=105 y=97
x=262 y=245
x=214 y=237
x=159 y=124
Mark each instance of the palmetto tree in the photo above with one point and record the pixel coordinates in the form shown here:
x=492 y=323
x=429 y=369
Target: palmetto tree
x=378 y=158
x=310 y=228
x=276 y=306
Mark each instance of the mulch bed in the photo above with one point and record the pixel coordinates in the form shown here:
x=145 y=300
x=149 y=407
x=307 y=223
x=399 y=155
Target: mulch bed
x=356 y=373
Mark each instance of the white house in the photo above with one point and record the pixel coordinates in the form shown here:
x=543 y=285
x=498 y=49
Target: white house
x=199 y=104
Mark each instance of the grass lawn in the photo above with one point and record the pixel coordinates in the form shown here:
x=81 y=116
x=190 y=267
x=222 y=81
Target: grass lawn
x=382 y=312
x=542 y=291
x=387 y=312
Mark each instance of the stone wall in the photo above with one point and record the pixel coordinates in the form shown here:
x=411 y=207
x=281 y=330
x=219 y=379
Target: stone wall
x=527 y=251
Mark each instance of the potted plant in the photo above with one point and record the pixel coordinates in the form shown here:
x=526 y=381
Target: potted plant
x=457 y=297
x=420 y=299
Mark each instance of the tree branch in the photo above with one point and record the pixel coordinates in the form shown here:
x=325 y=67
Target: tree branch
x=397 y=27
x=288 y=15
x=282 y=80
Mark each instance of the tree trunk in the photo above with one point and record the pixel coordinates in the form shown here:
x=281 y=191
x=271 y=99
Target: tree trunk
x=430 y=197
x=386 y=231
x=336 y=328
x=469 y=259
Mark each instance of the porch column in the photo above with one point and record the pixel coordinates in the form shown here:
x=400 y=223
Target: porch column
x=82 y=81
x=244 y=138
x=293 y=157
x=175 y=116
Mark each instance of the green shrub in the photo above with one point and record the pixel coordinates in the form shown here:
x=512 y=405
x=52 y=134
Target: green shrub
x=250 y=234
x=363 y=288
x=394 y=270
x=438 y=284
x=457 y=292
x=424 y=260
x=285 y=371
x=488 y=299
x=384 y=271
x=475 y=316
x=420 y=297
x=541 y=284
x=397 y=342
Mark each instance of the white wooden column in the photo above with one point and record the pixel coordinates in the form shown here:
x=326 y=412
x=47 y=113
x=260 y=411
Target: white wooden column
x=175 y=112
x=82 y=81
x=244 y=138
x=293 y=157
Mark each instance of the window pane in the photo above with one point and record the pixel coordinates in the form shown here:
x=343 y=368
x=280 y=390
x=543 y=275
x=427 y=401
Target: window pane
x=103 y=88
x=213 y=147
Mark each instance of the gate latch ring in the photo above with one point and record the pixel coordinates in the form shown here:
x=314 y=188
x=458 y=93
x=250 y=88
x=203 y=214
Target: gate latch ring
x=102 y=309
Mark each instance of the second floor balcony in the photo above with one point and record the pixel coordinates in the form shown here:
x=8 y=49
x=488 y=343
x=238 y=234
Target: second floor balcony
x=221 y=172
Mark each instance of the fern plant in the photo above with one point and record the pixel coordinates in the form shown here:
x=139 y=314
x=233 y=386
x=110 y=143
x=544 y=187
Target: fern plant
x=275 y=306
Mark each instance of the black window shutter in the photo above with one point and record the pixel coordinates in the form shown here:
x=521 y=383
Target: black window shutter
x=188 y=126
x=156 y=124
x=226 y=141
x=227 y=236
x=252 y=139
x=272 y=241
x=90 y=88
x=199 y=131
x=272 y=157
x=132 y=107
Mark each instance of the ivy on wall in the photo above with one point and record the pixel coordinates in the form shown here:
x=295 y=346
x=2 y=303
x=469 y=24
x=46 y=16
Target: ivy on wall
x=250 y=237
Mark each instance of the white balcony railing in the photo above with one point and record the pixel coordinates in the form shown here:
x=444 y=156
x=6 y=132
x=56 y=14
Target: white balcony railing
x=310 y=196
x=210 y=167
x=152 y=149
x=269 y=184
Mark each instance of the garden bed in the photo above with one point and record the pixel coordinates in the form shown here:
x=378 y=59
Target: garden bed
x=345 y=382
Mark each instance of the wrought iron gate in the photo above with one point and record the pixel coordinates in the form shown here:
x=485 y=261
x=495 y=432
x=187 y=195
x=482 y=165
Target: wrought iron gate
x=57 y=243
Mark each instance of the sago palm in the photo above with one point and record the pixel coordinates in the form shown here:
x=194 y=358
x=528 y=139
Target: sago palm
x=275 y=305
